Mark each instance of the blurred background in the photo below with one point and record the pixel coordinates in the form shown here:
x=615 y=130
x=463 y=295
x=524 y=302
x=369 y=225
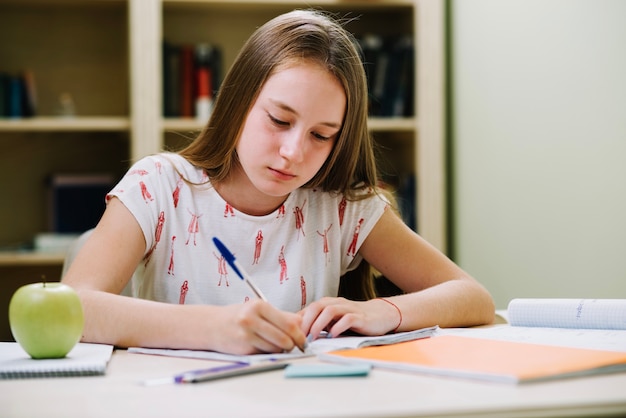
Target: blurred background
x=537 y=123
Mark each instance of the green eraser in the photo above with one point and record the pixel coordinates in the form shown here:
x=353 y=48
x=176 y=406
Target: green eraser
x=327 y=370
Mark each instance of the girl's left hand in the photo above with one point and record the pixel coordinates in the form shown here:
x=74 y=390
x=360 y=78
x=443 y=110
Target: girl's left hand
x=337 y=315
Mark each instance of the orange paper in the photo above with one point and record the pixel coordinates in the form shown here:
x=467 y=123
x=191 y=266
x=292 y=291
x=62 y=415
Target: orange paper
x=486 y=359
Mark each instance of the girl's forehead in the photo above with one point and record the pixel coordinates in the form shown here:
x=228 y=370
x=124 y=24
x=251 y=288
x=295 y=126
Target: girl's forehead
x=306 y=63
x=301 y=64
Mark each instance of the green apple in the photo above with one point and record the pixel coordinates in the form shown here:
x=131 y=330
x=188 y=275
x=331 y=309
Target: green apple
x=46 y=319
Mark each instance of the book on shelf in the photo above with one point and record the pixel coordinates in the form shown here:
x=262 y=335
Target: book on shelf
x=18 y=96
x=483 y=359
x=29 y=93
x=389 y=67
x=186 y=81
x=4 y=80
x=14 y=97
x=76 y=201
x=568 y=313
x=83 y=360
x=171 y=76
x=404 y=189
x=204 y=92
x=407 y=200
x=191 y=77
x=397 y=98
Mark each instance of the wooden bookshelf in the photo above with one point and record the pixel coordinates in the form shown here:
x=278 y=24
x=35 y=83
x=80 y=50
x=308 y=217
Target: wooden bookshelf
x=30 y=258
x=108 y=55
x=60 y=124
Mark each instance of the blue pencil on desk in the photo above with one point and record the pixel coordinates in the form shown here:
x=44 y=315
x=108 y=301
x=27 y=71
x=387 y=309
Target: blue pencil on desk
x=230 y=258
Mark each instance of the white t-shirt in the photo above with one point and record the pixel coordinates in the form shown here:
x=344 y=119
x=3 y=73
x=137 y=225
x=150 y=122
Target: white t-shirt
x=295 y=254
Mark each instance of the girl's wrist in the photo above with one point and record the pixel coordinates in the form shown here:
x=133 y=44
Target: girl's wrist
x=397 y=309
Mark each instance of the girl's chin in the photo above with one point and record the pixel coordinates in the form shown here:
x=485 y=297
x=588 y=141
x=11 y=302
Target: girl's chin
x=275 y=191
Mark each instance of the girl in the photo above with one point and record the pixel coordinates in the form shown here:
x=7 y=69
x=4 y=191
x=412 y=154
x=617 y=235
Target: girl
x=284 y=174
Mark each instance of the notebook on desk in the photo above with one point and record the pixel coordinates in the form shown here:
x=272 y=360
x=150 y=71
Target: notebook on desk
x=84 y=360
x=320 y=345
x=484 y=359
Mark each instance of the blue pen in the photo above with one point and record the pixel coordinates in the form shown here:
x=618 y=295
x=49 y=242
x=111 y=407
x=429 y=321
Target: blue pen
x=242 y=274
x=230 y=258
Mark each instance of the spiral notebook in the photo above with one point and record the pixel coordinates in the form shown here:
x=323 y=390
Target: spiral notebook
x=84 y=360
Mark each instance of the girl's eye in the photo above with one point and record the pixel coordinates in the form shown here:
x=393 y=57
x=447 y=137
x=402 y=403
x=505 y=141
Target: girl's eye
x=282 y=124
x=320 y=137
x=278 y=121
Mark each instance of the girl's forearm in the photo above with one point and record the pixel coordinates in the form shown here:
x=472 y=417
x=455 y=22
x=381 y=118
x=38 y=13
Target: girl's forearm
x=125 y=322
x=455 y=303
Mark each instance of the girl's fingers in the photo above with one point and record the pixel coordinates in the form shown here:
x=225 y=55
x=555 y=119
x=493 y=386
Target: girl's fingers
x=274 y=330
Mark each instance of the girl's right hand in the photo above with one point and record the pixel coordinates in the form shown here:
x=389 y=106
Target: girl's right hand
x=258 y=327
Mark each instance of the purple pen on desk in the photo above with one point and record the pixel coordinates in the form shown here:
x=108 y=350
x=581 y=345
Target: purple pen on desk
x=190 y=376
x=218 y=372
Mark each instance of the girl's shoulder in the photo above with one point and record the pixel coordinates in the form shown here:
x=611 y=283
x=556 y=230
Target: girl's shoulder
x=172 y=165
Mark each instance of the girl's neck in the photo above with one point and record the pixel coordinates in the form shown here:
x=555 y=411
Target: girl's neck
x=239 y=193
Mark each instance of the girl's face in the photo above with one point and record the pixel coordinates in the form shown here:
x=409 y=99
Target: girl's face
x=289 y=132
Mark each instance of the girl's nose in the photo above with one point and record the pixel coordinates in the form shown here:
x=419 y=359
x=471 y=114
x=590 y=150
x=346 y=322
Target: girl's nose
x=292 y=146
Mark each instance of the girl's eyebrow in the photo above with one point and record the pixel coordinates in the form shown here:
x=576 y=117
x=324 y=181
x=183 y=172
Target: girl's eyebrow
x=288 y=108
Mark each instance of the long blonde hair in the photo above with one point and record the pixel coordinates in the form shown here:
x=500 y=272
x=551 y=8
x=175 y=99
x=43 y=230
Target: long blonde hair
x=299 y=35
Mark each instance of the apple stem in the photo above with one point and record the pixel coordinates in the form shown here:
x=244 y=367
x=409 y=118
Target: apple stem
x=43 y=279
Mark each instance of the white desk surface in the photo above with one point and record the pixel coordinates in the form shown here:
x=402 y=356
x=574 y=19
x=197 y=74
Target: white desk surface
x=381 y=394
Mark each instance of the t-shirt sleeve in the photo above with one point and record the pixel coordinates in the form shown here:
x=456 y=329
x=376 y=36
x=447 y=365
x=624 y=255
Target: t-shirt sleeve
x=143 y=190
x=360 y=217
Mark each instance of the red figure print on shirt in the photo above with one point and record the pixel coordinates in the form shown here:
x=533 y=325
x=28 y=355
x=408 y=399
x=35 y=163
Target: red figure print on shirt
x=147 y=197
x=325 y=248
x=342 y=210
x=281 y=212
x=176 y=192
x=159 y=228
x=228 y=210
x=355 y=238
x=194 y=227
x=170 y=267
x=157 y=236
x=158 y=166
x=299 y=213
x=302 y=292
x=221 y=269
x=184 y=288
x=283 y=265
x=139 y=172
x=257 y=247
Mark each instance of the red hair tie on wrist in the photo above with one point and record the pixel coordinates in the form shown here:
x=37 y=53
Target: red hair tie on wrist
x=397 y=309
